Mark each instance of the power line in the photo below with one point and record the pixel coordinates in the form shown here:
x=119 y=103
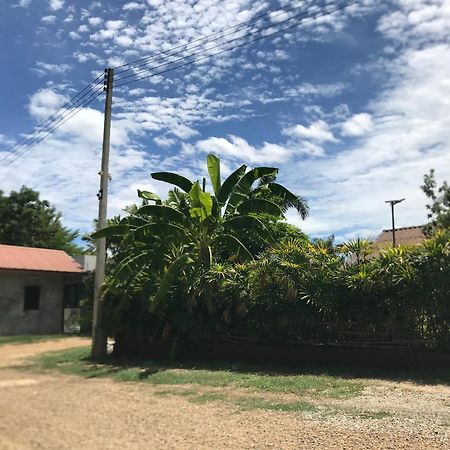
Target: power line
x=259 y=30
x=57 y=118
x=247 y=23
x=74 y=112
x=322 y=14
x=44 y=122
x=26 y=149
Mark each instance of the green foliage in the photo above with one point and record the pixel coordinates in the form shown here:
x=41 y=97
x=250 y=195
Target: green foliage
x=165 y=264
x=201 y=202
x=439 y=206
x=200 y=264
x=213 y=163
x=26 y=220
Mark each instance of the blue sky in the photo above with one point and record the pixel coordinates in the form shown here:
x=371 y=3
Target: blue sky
x=352 y=107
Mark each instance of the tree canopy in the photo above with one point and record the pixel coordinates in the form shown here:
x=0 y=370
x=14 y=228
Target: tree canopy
x=26 y=220
x=439 y=206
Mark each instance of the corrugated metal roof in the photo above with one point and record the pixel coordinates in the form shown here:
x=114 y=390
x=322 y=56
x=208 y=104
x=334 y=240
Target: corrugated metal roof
x=403 y=236
x=39 y=259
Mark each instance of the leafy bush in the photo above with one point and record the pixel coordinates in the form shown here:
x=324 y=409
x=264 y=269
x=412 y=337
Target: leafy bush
x=202 y=263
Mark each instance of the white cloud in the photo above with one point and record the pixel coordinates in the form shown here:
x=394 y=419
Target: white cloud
x=74 y=35
x=137 y=91
x=83 y=28
x=316 y=90
x=115 y=24
x=346 y=185
x=55 y=5
x=239 y=149
x=318 y=131
x=410 y=135
x=357 y=125
x=95 y=21
x=22 y=4
x=43 y=68
x=418 y=21
x=83 y=57
x=48 y=20
x=309 y=148
x=45 y=102
x=131 y=6
x=164 y=141
x=124 y=41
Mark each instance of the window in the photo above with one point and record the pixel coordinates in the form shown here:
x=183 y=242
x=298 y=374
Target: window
x=73 y=293
x=32 y=296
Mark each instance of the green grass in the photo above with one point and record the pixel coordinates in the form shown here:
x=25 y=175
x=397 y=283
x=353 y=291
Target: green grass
x=76 y=361
x=30 y=338
x=249 y=402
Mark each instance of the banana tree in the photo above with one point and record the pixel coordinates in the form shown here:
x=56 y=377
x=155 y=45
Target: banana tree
x=201 y=229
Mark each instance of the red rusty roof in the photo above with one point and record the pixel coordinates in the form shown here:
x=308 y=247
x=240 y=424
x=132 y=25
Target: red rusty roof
x=13 y=257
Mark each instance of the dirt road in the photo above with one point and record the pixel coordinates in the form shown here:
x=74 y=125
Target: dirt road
x=53 y=411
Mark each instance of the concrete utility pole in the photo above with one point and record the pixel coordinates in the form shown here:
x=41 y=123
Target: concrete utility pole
x=393 y=203
x=99 y=338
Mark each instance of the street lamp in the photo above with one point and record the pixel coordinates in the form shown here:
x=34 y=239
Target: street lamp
x=393 y=203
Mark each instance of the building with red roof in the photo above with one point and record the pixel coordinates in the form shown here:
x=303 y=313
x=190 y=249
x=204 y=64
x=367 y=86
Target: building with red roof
x=35 y=285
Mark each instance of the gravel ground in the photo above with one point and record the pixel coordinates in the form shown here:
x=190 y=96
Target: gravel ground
x=52 y=411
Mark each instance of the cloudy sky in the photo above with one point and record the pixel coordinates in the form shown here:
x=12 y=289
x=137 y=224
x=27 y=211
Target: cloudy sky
x=352 y=106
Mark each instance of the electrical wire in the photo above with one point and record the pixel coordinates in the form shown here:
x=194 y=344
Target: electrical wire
x=243 y=25
x=322 y=14
x=74 y=112
x=297 y=16
x=57 y=118
x=63 y=107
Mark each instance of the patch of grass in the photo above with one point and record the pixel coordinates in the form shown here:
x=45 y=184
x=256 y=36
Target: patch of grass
x=206 y=397
x=179 y=392
x=76 y=361
x=30 y=338
x=247 y=403
x=313 y=385
x=250 y=403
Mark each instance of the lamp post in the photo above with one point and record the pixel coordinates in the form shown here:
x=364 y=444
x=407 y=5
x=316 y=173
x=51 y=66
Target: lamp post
x=393 y=203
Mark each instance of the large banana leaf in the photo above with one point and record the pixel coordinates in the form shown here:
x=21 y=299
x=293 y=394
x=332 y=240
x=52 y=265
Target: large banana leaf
x=228 y=185
x=146 y=195
x=131 y=264
x=213 y=163
x=280 y=191
x=158 y=229
x=259 y=205
x=163 y=212
x=114 y=230
x=244 y=185
x=170 y=275
x=249 y=223
x=236 y=246
x=201 y=202
x=173 y=178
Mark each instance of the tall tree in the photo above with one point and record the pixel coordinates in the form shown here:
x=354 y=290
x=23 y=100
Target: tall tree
x=439 y=206
x=26 y=220
x=171 y=248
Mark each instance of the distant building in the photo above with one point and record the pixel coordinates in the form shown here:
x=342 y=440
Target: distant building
x=35 y=286
x=406 y=237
